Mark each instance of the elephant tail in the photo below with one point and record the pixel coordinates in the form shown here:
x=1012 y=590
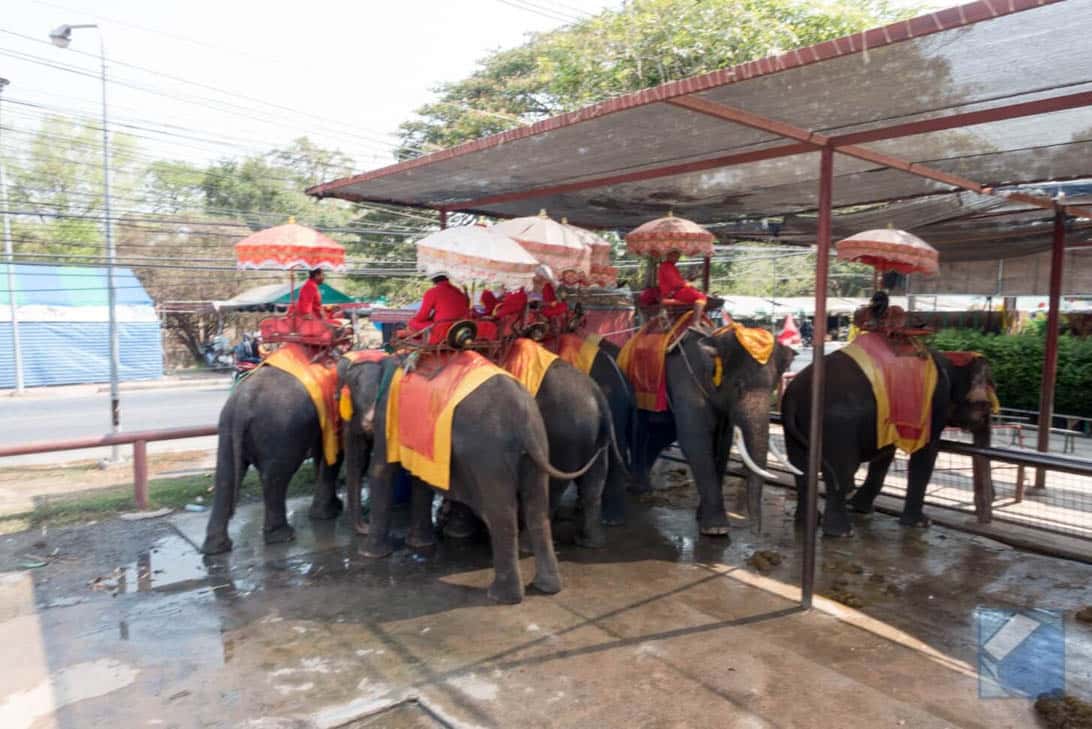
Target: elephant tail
x=631 y=402
x=607 y=434
x=533 y=445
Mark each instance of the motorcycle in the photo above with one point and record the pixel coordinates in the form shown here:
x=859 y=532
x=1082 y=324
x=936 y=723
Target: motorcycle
x=217 y=353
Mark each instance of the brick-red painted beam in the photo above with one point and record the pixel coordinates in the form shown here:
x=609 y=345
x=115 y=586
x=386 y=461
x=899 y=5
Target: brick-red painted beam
x=967 y=119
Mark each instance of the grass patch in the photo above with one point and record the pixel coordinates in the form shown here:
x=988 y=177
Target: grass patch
x=175 y=493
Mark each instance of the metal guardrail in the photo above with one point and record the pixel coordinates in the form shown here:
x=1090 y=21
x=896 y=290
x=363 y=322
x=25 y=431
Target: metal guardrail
x=139 y=440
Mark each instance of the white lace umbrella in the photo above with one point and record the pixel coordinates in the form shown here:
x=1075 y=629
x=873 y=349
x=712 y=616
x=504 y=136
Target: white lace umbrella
x=888 y=249
x=602 y=273
x=476 y=254
x=555 y=245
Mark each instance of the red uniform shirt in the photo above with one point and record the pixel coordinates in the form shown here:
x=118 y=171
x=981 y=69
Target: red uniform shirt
x=512 y=303
x=444 y=302
x=310 y=301
x=674 y=286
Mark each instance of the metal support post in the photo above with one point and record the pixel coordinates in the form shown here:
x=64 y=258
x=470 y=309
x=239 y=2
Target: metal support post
x=9 y=256
x=140 y=474
x=1050 y=355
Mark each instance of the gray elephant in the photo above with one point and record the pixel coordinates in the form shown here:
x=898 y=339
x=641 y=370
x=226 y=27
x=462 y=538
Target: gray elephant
x=962 y=398
x=499 y=463
x=623 y=409
x=268 y=422
x=704 y=418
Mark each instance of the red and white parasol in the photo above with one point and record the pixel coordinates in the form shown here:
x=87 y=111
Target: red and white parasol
x=289 y=246
x=476 y=254
x=602 y=273
x=887 y=249
x=552 y=244
x=661 y=236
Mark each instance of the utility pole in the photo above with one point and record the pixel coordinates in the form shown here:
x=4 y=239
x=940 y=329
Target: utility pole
x=9 y=255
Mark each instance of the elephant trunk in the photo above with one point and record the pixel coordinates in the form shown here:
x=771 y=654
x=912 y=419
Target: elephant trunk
x=983 y=478
x=355 y=450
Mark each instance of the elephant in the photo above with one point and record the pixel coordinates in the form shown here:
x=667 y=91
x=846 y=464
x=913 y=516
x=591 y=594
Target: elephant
x=962 y=398
x=268 y=422
x=705 y=418
x=623 y=409
x=499 y=463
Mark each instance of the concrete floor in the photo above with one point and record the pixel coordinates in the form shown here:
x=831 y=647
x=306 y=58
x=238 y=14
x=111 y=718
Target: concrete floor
x=661 y=629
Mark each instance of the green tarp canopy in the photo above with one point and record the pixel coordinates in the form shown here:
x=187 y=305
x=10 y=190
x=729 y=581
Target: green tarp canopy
x=265 y=298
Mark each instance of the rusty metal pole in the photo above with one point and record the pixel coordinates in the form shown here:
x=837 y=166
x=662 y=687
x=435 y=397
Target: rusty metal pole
x=1050 y=355
x=140 y=474
x=706 y=273
x=443 y=220
x=815 y=426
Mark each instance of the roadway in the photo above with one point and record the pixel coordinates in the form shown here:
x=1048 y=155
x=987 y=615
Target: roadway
x=59 y=417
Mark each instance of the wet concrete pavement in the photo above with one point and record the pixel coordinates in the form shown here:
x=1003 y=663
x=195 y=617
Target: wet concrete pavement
x=660 y=629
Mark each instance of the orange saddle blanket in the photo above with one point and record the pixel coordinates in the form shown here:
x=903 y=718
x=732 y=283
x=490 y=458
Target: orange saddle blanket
x=578 y=351
x=644 y=357
x=903 y=382
x=528 y=362
x=421 y=407
x=320 y=381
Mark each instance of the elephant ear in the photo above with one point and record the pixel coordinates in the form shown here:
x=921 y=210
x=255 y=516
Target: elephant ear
x=783 y=358
x=709 y=348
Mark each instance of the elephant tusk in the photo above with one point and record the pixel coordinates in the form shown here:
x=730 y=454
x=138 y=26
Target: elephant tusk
x=781 y=457
x=747 y=457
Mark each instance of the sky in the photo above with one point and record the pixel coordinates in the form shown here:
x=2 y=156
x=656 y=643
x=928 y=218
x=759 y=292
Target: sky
x=222 y=78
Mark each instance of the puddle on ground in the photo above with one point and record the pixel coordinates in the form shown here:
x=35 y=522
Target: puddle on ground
x=170 y=565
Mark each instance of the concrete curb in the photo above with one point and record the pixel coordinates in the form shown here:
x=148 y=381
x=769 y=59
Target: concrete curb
x=61 y=391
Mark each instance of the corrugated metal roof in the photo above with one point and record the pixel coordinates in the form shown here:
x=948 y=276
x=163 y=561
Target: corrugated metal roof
x=621 y=162
x=62 y=353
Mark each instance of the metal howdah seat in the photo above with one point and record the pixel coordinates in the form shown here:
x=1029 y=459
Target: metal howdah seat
x=303 y=330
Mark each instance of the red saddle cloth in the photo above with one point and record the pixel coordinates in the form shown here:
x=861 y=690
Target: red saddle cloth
x=903 y=382
x=643 y=359
x=578 y=351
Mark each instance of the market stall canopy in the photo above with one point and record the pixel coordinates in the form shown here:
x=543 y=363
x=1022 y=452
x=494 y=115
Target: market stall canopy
x=267 y=298
x=290 y=246
x=887 y=249
x=992 y=92
x=476 y=253
x=552 y=243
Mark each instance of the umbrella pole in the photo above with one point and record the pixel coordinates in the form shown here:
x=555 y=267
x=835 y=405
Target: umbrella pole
x=291 y=287
x=875 y=279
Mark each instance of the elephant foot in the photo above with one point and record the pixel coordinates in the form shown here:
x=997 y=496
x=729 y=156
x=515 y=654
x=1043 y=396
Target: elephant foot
x=326 y=510
x=216 y=544
x=920 y=521
x=547 y=585
x=715 y=531
x=837 y=528
x=591 y=539
x=460 y=525
x=280 y=535
x=525 y=549
x=361 y=527
x=506 y=594
x=713 y=525
x=376 y=550
x=420 y=541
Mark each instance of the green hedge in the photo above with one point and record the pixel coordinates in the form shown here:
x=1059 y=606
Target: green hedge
x=1017 y=363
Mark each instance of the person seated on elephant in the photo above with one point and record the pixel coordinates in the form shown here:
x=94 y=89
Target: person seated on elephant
x=309 y=304
x=487 y=303
x=511 y=309
x=442 y=305
x=879 y=315
x=673 y=285
x=553 y=308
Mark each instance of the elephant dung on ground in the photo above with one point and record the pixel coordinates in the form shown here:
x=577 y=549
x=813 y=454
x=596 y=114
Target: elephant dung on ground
x=962 y=399
x=268 y=422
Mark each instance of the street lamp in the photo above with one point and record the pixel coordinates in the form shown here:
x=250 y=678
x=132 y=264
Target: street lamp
x=17 y=353
x=62 y=37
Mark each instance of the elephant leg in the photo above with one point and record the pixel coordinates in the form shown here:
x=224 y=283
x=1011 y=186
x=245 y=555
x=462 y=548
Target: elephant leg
x=877 y=472
x=590 y=490
x=652 y=438
x=614 y=494
x=534 y=497
x=357 y=457
x=381 y=488
x=325 y=504
x=503 y=525
x=697 y=437
x=217 y=540
x=836 y=522
x=917 y=480
x=274 y=491
x=421 y=534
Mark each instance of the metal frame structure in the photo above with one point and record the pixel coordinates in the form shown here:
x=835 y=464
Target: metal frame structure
x=682 y=94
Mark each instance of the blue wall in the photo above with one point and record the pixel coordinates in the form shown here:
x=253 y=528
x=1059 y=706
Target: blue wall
x=62 y=353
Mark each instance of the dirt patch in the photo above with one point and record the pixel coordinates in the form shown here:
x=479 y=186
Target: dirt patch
x=764 y=560
x=844 y=596
x=1064 y=712
x=1085 y=615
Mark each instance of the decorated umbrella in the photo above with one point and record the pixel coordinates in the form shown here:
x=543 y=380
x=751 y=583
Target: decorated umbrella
x=660 y=236
x=552 y=243
x=288 y=247
x=602 y=273
x=887 y=249
x=476 y=254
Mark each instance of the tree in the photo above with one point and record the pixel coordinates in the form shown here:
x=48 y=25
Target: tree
x=170 y=187
x=642 y=44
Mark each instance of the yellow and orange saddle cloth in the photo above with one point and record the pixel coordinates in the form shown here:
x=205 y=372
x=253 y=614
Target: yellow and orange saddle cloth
x=577 y=350
x=319 y=378
x=903 y=379
x=643 y=357
x=421 y=408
